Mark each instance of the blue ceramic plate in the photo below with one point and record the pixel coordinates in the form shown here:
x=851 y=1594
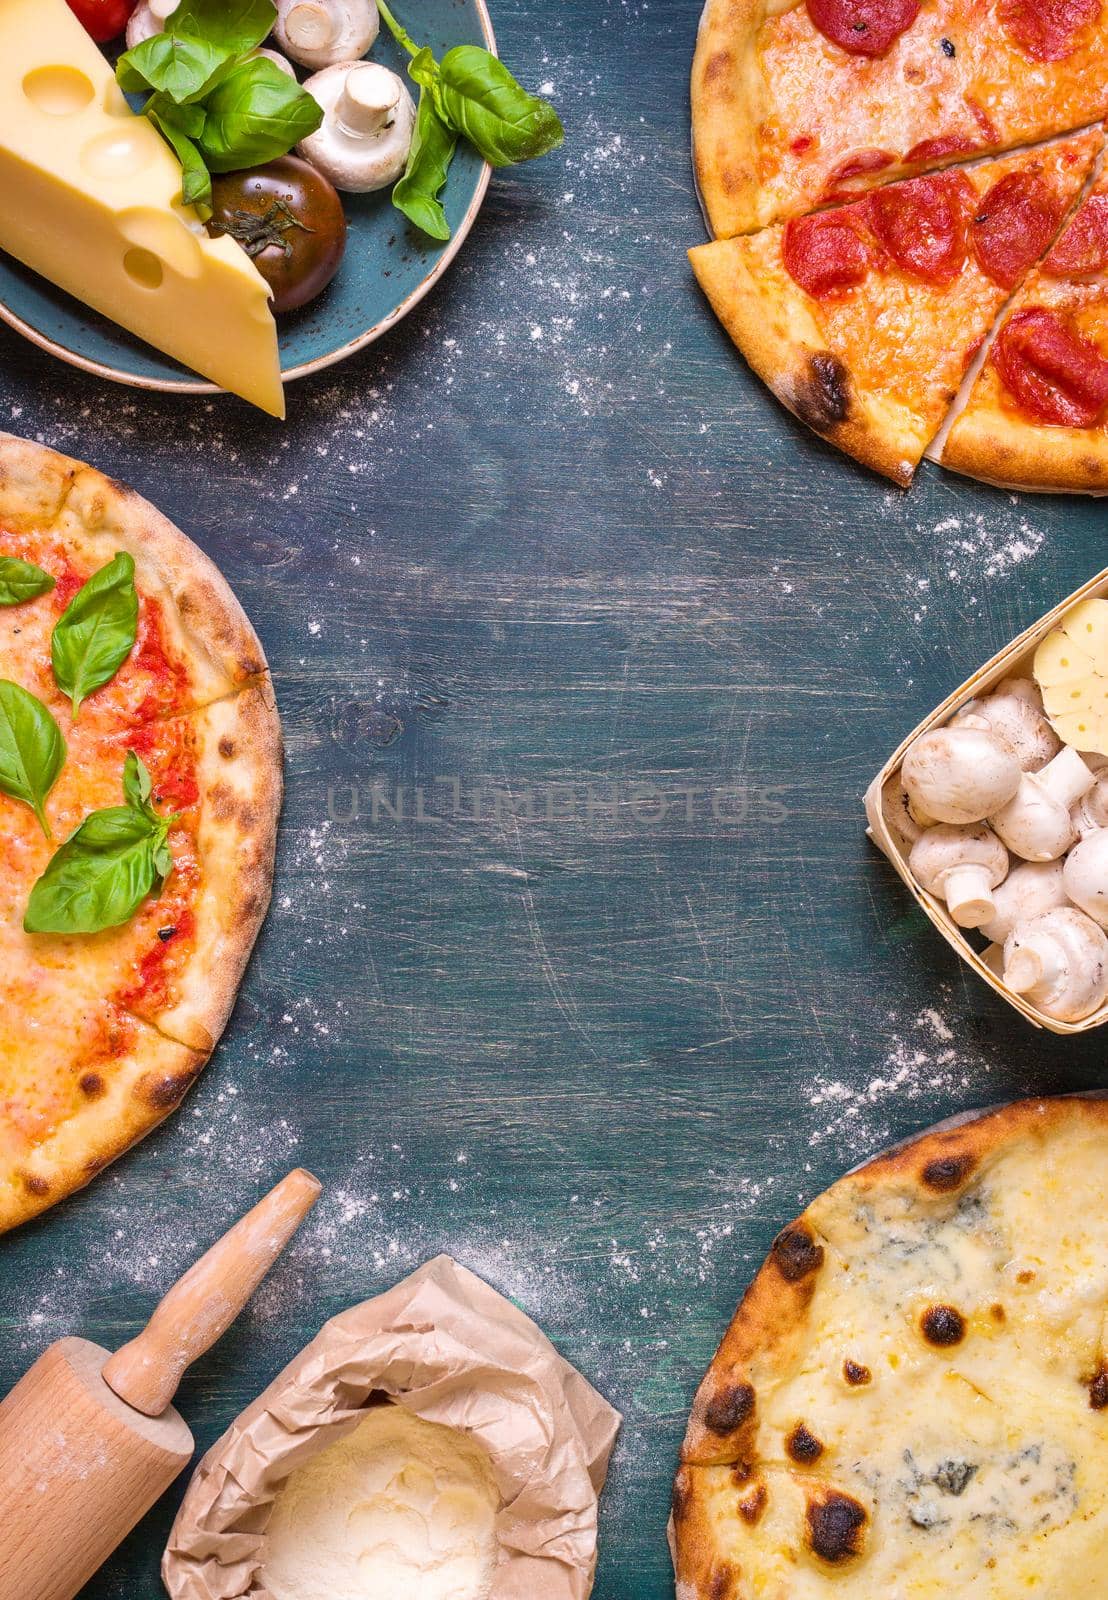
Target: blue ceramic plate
x=388 y=267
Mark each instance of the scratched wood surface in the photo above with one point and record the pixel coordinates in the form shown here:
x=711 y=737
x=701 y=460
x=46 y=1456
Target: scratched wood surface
x=579 y=966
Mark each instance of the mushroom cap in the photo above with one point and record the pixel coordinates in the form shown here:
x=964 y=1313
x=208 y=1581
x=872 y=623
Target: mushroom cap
x=962 y=865
x=959 y=775
x=1086 y=876
x=325 y=33
x=347 y=148
x=1014 y=712
x=1037 y=823
x=1029 y=889
x=1090 y=814
x=1059 y=962
x=146 y=20
x=894 y=809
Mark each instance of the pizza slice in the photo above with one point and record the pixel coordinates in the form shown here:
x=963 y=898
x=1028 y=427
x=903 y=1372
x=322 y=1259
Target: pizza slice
x=1037 y=416
x=796 y=105
x=863 y=320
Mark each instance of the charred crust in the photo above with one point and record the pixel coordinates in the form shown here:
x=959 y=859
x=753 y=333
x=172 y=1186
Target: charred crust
x=856 y=1374
x=722 y=1584
x=821 y=396
x=729 y=1408
x=92 y=1085
x=35 y=1185
x=165 y=1093
x=1098 y=1391
x=226 y=747
x=836 y=1526
x=943 y=1326
x=753 y=1504
x=948 y=1172
x=998 y=1313
x=719 y=67
x=682 y=1490
x=803 y=1446
x=796 y=1253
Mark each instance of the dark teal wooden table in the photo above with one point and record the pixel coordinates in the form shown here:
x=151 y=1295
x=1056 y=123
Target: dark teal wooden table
x=579 y=965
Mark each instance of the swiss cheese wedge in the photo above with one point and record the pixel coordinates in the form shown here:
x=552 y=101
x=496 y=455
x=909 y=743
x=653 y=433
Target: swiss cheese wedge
x=90 y=198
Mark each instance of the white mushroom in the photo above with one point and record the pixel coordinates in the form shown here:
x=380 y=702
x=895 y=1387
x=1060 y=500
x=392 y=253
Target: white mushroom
x=1036 y=824
x=961 y=866
x=1086 y=876
x=1029 y=889
x=894 y=809
x=958 y=775
x=366 y=133
x=1090 y=814
x=321 y=33
x=148 y=18
x=1014 y=712
x=1059 y=963
x=277 y=58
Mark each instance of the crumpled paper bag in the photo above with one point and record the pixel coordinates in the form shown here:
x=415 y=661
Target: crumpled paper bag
x=444 y=1344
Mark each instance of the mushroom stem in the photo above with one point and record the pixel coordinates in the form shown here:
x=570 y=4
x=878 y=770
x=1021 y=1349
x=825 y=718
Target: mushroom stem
x=368 y=101
x=310 y=26
x=1037 y=960
x=968 y=891
x=1067 y=778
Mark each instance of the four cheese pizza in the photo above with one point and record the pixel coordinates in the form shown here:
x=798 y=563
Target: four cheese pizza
x=864 y=319
x=1037 y=416
x=839 y=281
x=140 y=782
x=912 y=1399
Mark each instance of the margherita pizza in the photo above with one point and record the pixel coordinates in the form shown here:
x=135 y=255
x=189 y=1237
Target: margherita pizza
x=863 y=319
x=1037 y=417
x=140 y=783
x=912 y=1399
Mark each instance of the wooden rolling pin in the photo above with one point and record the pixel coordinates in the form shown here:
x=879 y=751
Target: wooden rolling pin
x=89 y=1441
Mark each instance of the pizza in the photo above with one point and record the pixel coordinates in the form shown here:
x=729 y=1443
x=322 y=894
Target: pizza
x=140 y=784
x=864 y=318
x=1037 y=416
x=797 y=105
x=912 y=1398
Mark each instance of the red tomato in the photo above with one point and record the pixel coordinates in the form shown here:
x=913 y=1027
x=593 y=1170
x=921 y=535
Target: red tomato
x=103 y=19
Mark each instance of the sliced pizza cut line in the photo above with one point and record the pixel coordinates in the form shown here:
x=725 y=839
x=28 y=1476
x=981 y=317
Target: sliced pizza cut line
x=863 y=320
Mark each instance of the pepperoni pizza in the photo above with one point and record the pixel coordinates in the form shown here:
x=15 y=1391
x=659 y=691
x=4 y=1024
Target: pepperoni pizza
x=1037 y=417
x=863 y=319
x=140 y=781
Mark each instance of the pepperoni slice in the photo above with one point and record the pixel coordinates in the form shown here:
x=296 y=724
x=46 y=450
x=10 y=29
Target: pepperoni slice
x=861 y=165
x=952 y=144
x=1015 y=223
x=864 y=27
x=1082 y=251
x=1057 y=375
x=1047 y=30
x=825 y=254
x=922 y=224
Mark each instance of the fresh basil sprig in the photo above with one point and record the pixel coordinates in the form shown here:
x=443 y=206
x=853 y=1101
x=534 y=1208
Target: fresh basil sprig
x=218 y=105
x=469 y=93
x=32 y=750
x=95 y=633
x=22 y=580
x=106 y=869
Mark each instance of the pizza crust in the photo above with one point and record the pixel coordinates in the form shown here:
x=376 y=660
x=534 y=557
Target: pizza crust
x=728 y=99
x=1013 y=454
x=835 y=1446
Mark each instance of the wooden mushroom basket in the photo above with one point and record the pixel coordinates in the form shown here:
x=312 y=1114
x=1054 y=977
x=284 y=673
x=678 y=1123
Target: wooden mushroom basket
x=1014 y=661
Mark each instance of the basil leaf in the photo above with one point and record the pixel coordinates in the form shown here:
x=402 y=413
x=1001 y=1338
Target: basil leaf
x=254 y=115
x=21 y=580
x=184 y=69
x=417 y=192
x=99 y=877
x=237 y=26
x=107 y=867
x=32 y=750
x=94 y=634
x=481 y=99
x=196 y=182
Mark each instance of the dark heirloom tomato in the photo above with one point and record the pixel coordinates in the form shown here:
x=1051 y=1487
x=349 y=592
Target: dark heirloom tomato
x=289 y=220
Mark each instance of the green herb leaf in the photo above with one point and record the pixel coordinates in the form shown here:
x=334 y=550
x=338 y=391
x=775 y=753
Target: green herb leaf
x=32 y=750
x=482 y=100
x=196 y=182
x=236 y=26
x=105 y=870
x=22 y=580
x=254 y=115
x=417 y=192
x=95 y=633
x=184 y=69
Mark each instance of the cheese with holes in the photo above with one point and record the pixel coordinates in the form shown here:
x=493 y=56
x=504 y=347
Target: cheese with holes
x=90 y=196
